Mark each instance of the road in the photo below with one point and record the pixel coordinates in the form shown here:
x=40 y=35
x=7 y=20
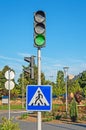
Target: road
x=45 y=126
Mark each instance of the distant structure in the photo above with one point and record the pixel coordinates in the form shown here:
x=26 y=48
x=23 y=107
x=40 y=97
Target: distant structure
x=71 y=76
x=74 y=77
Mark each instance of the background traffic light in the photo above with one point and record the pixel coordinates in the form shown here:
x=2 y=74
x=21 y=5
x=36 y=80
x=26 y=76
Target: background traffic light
x=30 y=70
x=39 y=29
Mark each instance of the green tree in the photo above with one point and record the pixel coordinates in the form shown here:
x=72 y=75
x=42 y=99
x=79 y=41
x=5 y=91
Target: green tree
x=84 y=91
x=3 y=90
x=82 y=82
x=60 y=84
x=82 y=79
x=25 y=79
x=75 y=87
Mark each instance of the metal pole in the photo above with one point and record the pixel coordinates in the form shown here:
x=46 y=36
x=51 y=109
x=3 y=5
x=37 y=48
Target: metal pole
x=22 y=89
x=39 y=83
x=9 y=92
x=66 y=96
x=66 y=73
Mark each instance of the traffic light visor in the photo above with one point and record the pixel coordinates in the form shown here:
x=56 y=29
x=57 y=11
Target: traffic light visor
x=40 y=28
x=39 y=16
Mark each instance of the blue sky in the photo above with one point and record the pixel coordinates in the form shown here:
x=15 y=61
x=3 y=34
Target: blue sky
x=65 y=34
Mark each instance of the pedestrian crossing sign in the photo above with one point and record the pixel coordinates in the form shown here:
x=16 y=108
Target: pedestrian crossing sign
x=39 y=98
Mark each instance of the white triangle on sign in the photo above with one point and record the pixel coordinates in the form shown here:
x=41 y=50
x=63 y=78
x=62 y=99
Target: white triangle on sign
x=38 y=99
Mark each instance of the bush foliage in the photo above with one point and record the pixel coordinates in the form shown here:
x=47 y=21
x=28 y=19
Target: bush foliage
x=8 y=125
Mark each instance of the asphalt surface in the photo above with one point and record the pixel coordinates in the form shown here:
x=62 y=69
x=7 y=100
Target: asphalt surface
x=24 y=125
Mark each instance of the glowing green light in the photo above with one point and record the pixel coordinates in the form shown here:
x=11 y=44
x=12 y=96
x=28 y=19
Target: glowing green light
x=39 y=40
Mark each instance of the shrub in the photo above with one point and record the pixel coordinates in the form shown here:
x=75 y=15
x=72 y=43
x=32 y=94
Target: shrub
x=24 y=116
x=47 y=119
x=58 y=117
x=47 y=116
x=8 y=125
x=73 y=110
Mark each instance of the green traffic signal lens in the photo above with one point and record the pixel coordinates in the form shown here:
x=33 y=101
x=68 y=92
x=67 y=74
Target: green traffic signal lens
x=39 y=40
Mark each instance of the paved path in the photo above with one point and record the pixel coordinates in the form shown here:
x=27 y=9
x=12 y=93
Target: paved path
x=45 y=126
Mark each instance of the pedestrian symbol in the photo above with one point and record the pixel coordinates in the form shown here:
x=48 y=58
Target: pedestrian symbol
x=39 y=99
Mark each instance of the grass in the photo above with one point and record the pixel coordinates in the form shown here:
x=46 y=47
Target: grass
x=12 y=107
x=24 y=116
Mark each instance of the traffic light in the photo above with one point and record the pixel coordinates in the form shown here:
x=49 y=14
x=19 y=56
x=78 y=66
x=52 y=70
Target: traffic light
x=31 y=66
x=39 y=29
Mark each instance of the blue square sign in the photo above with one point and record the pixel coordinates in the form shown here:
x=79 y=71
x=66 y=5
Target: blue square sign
x=39 y=98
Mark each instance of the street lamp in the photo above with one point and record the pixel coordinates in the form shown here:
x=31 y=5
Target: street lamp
x=66 y=75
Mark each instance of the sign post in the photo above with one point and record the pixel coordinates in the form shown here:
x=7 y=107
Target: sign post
x=9 y=84
x=39 y=83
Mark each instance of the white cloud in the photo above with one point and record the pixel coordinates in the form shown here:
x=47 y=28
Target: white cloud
x=10 y=58
x=24 y=54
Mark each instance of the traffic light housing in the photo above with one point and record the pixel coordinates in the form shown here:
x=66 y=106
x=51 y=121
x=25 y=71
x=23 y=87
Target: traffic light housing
x=39 y=29
x=31 y=66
